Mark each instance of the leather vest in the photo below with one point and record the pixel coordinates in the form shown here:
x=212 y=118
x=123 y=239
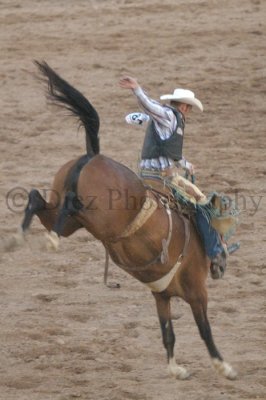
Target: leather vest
x=155 y=147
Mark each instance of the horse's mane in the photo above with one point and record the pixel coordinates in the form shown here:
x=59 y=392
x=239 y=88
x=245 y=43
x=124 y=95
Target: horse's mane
x=61 y=92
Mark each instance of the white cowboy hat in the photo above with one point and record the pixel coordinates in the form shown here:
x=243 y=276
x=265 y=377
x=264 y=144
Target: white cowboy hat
x=184 y=96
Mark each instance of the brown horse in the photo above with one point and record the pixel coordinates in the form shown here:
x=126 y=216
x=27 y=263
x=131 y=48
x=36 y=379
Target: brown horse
x=143 y=235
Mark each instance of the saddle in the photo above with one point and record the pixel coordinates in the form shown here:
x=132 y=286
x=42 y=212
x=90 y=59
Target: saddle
x=161 y=188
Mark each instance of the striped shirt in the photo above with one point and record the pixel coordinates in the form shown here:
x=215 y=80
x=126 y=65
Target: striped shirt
x=165 y=124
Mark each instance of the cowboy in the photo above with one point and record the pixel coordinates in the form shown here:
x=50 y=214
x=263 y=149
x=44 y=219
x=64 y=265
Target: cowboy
x=162 y=153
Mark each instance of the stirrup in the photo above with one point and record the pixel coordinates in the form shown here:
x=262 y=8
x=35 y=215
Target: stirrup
x=233 y=247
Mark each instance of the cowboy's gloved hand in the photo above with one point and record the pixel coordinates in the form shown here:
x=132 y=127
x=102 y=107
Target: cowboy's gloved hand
x=190 y=168
x=136 y=118
x=127 y=82
x=187 y=166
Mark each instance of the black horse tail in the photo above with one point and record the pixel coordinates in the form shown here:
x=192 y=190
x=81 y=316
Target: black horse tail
x=61 y=92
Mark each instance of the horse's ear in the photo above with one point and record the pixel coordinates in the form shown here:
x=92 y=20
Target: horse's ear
x=213 y=197
x=220 y=202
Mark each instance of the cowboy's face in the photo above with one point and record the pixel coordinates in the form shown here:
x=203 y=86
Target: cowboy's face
x=184 y=108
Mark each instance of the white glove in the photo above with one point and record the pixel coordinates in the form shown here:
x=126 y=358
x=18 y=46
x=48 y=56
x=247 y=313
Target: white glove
x=187 y=166
x=137 y=118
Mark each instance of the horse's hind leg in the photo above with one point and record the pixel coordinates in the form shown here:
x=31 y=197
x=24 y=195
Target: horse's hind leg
x=36 y=203
x=45 y=211
x=36 y=206
x=50 y=216
x=164 y=313
x=199 y=309
x=65 y=224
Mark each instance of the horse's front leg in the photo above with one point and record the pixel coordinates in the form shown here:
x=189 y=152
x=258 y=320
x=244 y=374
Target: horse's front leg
x=164 y=313
x=199 y=309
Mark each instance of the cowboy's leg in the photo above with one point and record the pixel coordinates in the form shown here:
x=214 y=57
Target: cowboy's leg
x=191 y=188
x=212 y=244
x=210 y=237
x=188 y=187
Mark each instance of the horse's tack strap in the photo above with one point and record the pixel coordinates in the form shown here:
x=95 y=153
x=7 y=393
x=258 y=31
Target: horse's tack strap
x=161 y=284
x=166 y=242
x=187 y=235
x=148 y=208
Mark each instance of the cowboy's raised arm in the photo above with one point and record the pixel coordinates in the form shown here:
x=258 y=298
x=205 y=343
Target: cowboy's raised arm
x=151 y=107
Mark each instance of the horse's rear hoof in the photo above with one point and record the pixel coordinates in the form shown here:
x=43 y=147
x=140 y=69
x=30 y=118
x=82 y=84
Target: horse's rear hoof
x=52 y=241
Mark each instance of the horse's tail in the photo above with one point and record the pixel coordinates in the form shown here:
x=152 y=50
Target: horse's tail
x=61 y=92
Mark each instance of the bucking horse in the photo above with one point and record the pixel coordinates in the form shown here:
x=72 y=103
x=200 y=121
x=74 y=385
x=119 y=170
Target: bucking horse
x=152 y=241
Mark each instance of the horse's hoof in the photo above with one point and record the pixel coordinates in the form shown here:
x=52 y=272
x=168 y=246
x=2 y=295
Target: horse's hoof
x=225 y=369
x=232 y=374
x=177 y=371
x=52 y=241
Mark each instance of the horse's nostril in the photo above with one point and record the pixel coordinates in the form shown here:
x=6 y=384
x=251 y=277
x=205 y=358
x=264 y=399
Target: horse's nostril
x=217 y=271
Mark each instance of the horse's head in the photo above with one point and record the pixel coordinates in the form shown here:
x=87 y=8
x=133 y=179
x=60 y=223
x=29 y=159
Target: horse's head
x=224 y=215
x=222 y=204
x=218 y=269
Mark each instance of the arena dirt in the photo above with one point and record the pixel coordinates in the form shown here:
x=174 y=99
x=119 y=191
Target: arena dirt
x=63 y=334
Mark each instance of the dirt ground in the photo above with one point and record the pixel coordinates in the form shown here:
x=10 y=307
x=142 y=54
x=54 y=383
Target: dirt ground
x=63 y=334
